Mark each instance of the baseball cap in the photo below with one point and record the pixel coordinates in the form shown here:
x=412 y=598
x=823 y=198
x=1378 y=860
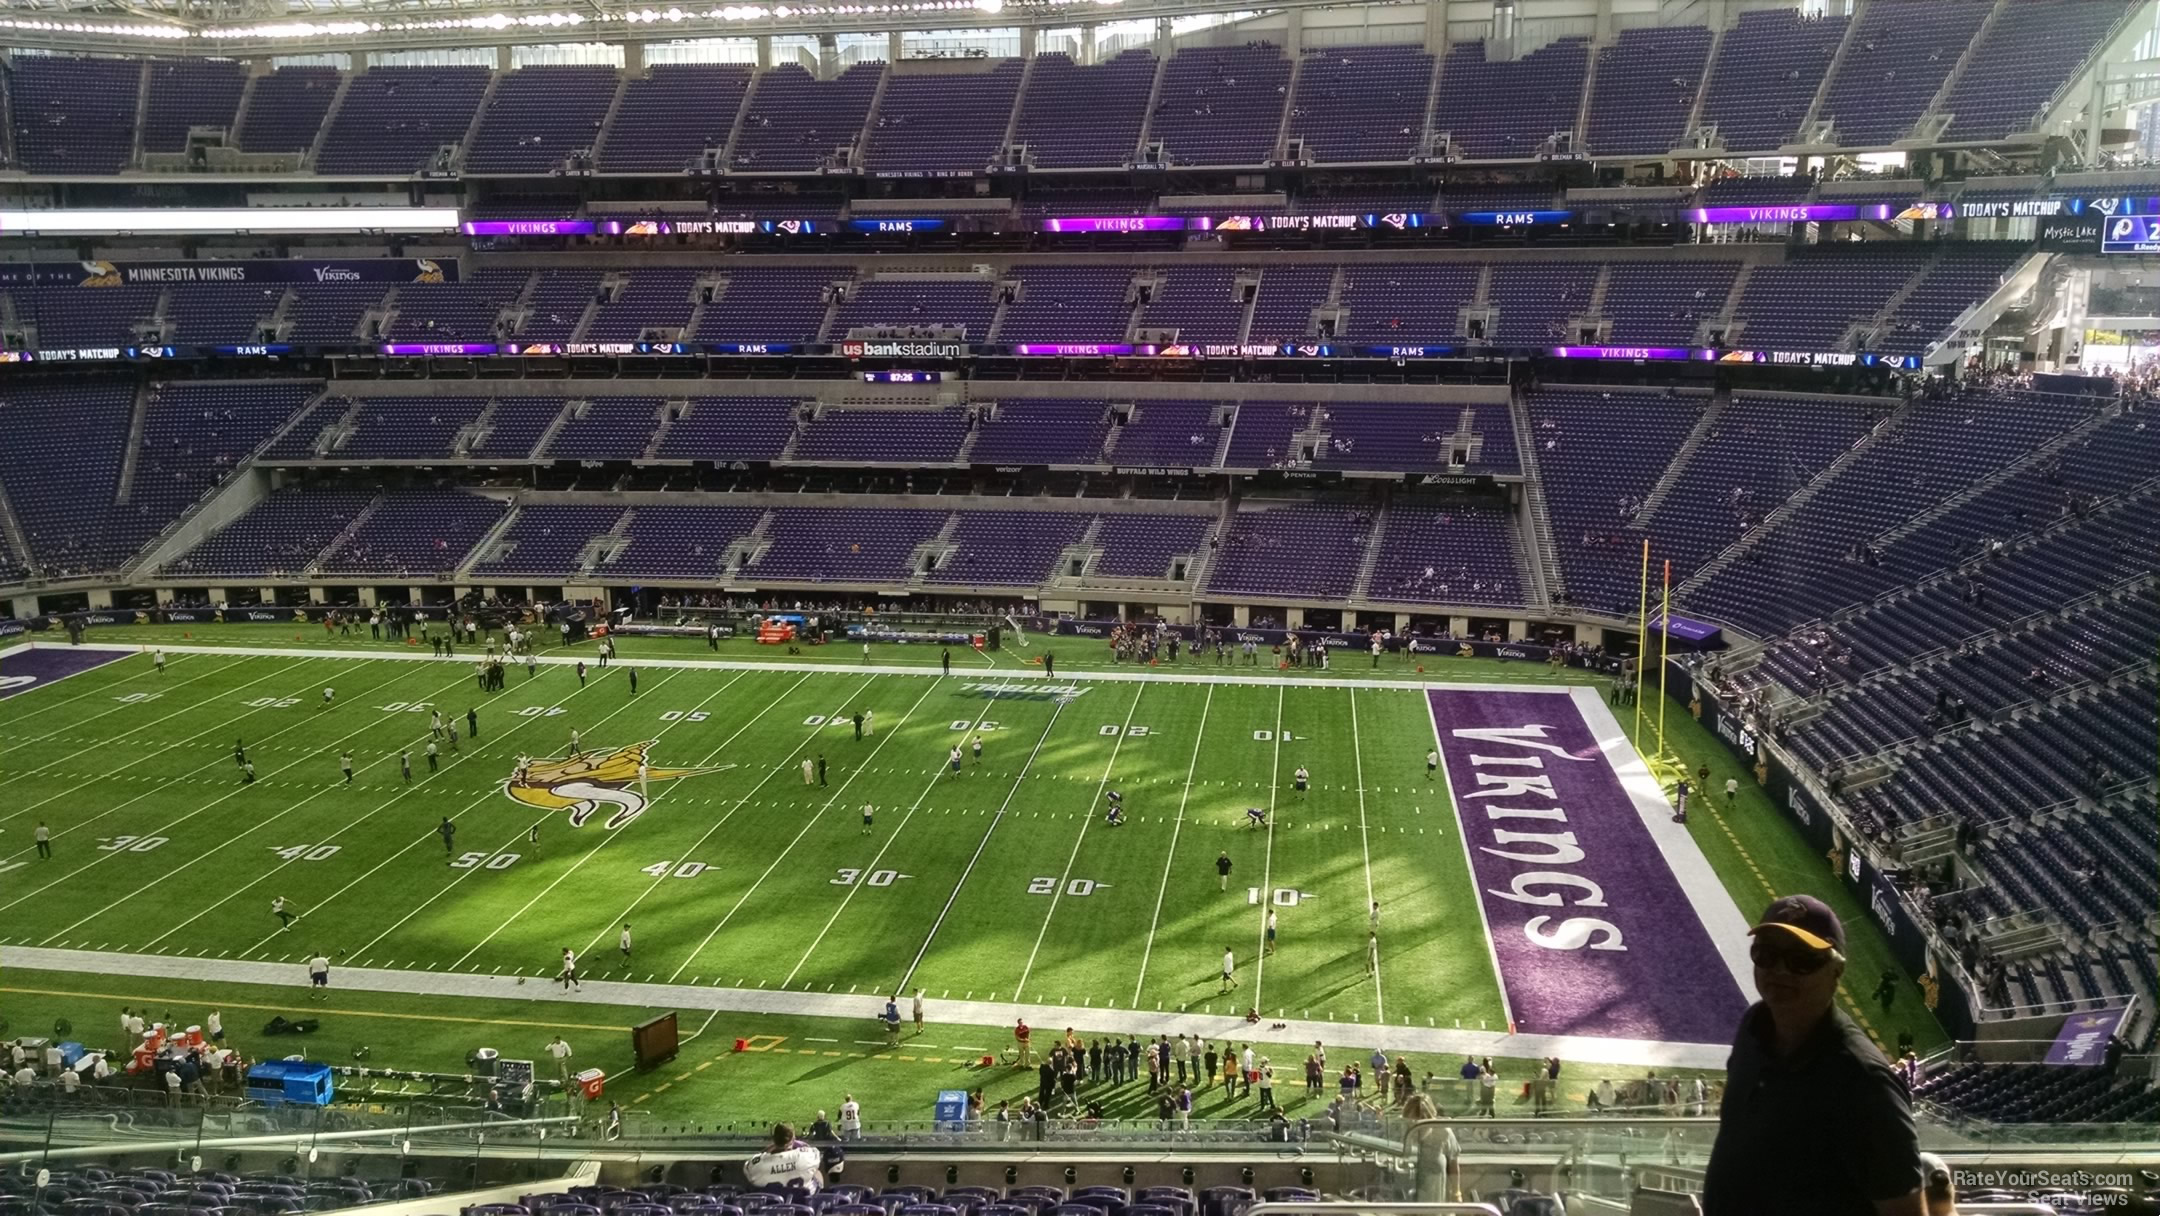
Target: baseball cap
x=1805 y=918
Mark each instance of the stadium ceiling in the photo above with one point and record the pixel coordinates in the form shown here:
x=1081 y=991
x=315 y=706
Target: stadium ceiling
x=283 y=27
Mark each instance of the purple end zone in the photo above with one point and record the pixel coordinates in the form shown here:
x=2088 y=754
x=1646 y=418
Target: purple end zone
x=24 y=669
x=1552 y=835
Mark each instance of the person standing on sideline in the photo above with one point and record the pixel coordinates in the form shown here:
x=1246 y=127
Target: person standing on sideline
x=622 y=942
x=1432 y=761
x=1732 y=792
x=1020 y=1040
x=1049 y=664
x=1795 y=1056
x=569 y=977
x=581 y=673
x=1229 y=969
x=945 y=660
x=1222 y=871
x=43 y=836
x=1488 y=1080
x=918 y=1011
x=318 y=970
x=345 y=765
x=281 y=908
x=561 y=1053
x=1680 y=793
x=850 y=1118
x=866 y=651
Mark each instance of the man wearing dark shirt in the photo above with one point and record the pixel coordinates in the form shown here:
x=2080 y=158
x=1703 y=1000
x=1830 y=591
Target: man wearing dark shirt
x=1814 y=1122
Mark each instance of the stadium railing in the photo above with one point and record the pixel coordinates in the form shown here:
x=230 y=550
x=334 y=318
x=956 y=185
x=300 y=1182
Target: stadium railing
x=87 y=1133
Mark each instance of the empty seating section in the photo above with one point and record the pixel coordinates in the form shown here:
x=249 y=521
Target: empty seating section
x=539 y=116
x=187 y=93
x=1453 y=553
x=1386 y=435
x=1963 y=276
x=546 y=540
x=1665 y=303
x=904 y=303
x=1811 y=301
x=1069 y=304
x=279 y=537
x=607 y=428
x=943 y=121
x=1758 y=451
x=74 y=115
x=1264 y=435
x=1407 y=302
x=1361 y=103
x=1897 y=58
x=1198 y=302
x=1647 y=79
x=1310 y=551
x=1282 y=312
x=221 y=313
x=669 y=117
x=299 y=440
x=286 y=109
x=1062 y=432
x=1506 y=109
x=686 y=541
x=465 y=311
x=771 y=304
x=1169 y=435
x=1221 y=105
x=2022 y=66
x=1075 y=116
x=1148 y=546
x=795 y=122
x=1769 y=66
x=396 y=119
x=418 y=532
x=61 y=447
x=87 y=316
x=884 y=436
x=159 y=1192
x=559 y=300
x=2037 y=1093
x=656 y=302
x=407 y=428
x=1008 y=548
x=1599 y=453
x=513 y=425
x=1536 y=300
x=843 y=544
x=331 y=312
x=726 y=429
x=1803 y=568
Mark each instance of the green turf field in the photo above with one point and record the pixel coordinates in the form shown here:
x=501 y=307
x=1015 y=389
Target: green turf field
x=1001 y=883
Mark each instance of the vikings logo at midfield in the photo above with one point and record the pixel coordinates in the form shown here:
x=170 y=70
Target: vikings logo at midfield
x=583 y=784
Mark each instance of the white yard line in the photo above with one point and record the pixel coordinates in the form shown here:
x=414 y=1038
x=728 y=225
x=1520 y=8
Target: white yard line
x=1267 y=859
x=937 y=775
x=1087 y=817
x=222 y=844
x=1357 y=756
x=462 y=874
x=808 y=824
x=1170 y=854
x=1462 y=829
x=651 y=800
x=476 y=751
x=605 y=993
x=64 y=757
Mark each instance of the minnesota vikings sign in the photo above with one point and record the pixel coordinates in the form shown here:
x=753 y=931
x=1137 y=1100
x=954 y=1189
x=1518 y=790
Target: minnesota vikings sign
x=584 y=783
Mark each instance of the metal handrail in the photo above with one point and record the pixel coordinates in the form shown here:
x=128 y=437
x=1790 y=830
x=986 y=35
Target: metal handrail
x=1272 y=1208
x=297 y=1139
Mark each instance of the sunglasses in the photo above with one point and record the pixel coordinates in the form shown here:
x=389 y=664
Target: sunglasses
x=1792 y=959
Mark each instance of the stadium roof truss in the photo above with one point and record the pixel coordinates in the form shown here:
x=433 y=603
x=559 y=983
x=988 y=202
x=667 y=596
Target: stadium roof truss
x=271 y=27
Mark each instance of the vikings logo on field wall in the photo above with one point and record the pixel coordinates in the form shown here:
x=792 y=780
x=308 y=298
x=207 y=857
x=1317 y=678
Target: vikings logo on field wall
x=585 y=783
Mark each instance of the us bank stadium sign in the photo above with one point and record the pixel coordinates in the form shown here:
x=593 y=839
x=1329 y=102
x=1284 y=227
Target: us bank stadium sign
x=905 y=350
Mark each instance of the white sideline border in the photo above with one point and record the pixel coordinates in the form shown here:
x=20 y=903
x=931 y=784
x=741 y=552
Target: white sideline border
x=1425 y=1041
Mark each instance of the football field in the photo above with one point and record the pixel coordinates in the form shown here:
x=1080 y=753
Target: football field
x=1001 y=882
